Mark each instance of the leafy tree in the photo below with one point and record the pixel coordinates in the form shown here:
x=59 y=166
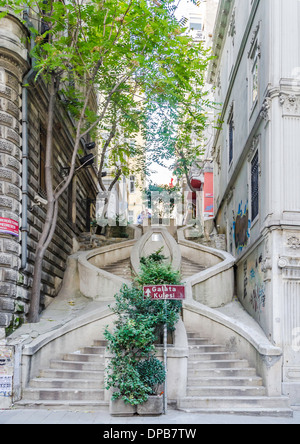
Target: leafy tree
x=111 y=64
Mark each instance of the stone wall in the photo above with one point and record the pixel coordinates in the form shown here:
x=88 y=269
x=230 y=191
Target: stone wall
x=12 y=70
x=15 y=283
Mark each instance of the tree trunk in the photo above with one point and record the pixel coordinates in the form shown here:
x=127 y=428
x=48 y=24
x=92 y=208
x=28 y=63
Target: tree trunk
x=51 y=216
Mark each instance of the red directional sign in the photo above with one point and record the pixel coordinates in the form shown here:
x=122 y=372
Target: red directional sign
x=163 y=292
x=9 y=226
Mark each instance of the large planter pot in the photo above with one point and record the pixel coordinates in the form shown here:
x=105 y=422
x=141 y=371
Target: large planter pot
x=119 y=408
x=153 y=407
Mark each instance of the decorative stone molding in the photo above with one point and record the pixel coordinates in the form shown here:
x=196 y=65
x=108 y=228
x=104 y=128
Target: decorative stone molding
x=290 y=104
x=265 y=109
x=230 y=195
x=290 y=267
x=253 y=147
x=232 y=26
x=255 y=41
x=293 y=242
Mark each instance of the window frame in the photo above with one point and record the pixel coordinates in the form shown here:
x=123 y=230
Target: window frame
x=231 y=128
x=132 y=182
x=255 y=151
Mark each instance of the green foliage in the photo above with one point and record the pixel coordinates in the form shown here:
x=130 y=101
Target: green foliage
x=154 y=257
x=152 y=373
x=148 y=74
x=131 y=372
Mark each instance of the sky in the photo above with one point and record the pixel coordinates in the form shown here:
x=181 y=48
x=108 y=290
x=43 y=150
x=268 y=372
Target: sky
x=163 y=175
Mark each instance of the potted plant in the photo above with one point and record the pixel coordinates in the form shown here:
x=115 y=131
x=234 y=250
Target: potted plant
x=152 y=374
x=134 y=374
x=129 y=342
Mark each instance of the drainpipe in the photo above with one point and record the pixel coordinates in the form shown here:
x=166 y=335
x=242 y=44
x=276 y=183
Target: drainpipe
x=25 y=151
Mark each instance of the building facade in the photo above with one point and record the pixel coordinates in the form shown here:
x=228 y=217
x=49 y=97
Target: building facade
x=199 y=20
x=23 y=122
x=256 y=158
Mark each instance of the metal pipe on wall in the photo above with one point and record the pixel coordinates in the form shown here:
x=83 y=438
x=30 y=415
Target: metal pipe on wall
x=25 y=152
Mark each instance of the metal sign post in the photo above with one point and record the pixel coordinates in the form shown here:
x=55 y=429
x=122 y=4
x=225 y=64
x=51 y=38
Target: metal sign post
x=166 y=358
x=165 y=293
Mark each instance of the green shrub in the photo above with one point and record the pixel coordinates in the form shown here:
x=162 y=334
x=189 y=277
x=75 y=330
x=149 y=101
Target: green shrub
x=134 y=372
x=152 y=374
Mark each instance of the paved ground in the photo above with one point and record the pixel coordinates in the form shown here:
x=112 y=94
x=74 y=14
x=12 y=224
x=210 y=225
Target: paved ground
x=173 y=418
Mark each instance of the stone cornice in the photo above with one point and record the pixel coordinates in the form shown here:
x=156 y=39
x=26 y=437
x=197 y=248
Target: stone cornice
x=220 y=32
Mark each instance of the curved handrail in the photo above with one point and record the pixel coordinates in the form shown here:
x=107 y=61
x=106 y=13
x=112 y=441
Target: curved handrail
x=88 y=271
x=170 y=242
x=207 y=286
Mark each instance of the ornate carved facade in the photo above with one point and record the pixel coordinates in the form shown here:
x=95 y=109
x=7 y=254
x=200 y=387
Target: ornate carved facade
x=257 y=73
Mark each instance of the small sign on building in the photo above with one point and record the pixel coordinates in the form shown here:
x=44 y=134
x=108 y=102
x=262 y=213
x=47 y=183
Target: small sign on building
x=6 y=376
x=9 y=226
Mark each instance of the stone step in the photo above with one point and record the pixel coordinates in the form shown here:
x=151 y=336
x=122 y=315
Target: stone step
x=225 y=391
x=94 y=350
x=71 y=374
x=233 y=402
x=63 y=405
x=213 y=356
x=225 y=381
x=191 y=334
x=198 y=341
x=81 y=357
x=77 y=365
x=271 y=412
x=55 y=394
x=221 y=364
x=221 y=372
x=204 y=348
x=58 y=383
x=100 y=343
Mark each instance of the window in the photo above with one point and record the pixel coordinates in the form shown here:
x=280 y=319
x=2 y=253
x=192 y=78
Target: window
x=42 y=175
x=131 y=216
x=254 y=76
x=231 y=136
x=254 y=55
x=132 y=184
x=255 y=186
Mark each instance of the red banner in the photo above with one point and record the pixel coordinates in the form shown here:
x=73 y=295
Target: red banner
x=9 y=226
x=170 y=292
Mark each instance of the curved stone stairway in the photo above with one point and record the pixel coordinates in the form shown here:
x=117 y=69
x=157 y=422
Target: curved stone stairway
x=76 y=381
x=220 y=382
x=123 y=268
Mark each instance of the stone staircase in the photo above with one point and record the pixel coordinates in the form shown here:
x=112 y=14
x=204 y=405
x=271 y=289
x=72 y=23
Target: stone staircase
x=220 y=382
x=123 y=268
x=189 y=268
x=74 y=382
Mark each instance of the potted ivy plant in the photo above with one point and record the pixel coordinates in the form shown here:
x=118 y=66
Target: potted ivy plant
x=152 y=373
x=130 y=341
x=134 y=374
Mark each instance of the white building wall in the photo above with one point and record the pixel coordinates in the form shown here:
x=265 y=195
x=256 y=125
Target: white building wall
x=267 y=248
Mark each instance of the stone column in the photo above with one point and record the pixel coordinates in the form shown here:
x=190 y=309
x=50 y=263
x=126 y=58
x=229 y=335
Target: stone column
x=12 y=70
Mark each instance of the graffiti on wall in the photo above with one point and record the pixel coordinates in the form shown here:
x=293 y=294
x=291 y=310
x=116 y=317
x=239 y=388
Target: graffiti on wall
x=254 y=285
x=241 y=227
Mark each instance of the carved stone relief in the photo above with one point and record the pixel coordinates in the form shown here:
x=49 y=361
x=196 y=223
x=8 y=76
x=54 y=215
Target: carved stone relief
x=290 y=104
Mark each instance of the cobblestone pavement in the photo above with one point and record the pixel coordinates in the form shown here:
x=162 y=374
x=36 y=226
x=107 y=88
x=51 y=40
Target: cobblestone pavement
x=173 y=418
